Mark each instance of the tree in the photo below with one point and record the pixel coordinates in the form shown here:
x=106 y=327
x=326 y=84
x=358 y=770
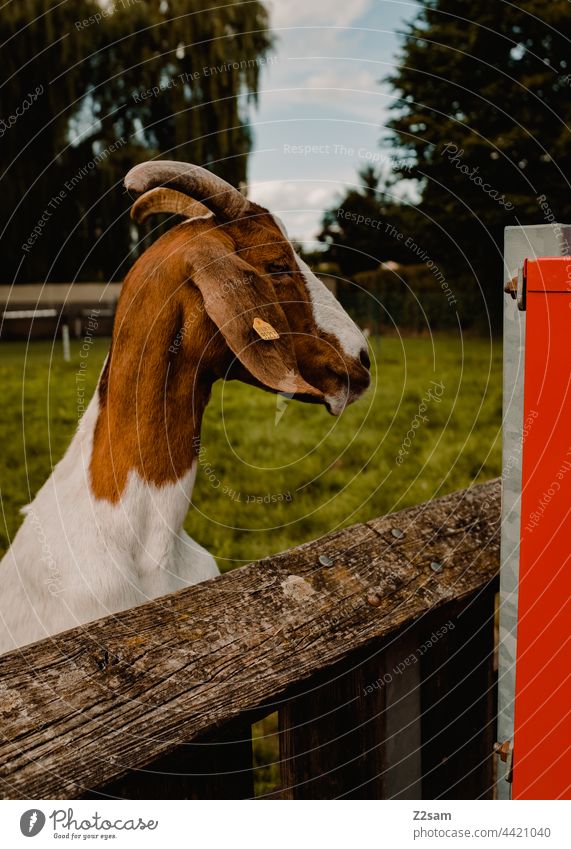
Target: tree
x=357 y=231
x=93 y=88
x=483 y=118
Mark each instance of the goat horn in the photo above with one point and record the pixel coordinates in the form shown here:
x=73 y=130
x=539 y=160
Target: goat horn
x=167 y=200
x=192 y=180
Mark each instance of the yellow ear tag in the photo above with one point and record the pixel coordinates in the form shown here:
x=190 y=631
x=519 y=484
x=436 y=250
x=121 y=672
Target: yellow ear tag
x=265 y=330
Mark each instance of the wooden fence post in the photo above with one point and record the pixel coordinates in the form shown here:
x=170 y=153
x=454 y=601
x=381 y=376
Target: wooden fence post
x=458 y=704
x=354 y=732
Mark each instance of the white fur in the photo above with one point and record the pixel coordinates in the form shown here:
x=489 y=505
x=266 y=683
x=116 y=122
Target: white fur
x=330 y=316
x=77 y=558
x=328 y=313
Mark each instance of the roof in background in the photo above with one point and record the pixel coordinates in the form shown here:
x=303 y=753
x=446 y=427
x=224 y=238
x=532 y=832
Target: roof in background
x=58 y=294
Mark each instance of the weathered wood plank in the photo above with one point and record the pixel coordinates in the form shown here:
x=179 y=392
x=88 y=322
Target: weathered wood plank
x=458 y=705
x=83 y=708
x=330 y=735
x=354 y=730
x=402 y=727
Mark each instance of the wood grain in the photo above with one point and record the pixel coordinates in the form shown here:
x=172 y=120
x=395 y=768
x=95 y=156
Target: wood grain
x=81 y=709
x=458 y=716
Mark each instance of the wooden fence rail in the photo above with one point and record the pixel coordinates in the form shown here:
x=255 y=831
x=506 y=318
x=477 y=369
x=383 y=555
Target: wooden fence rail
x=374 y=643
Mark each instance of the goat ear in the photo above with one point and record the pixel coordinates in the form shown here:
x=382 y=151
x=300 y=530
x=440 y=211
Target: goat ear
x=240 y=300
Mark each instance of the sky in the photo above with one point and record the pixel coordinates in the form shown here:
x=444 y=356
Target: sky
x=322 y=90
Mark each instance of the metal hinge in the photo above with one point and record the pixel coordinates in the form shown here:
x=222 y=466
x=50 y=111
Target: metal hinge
x=505 y=753
x=516 y=287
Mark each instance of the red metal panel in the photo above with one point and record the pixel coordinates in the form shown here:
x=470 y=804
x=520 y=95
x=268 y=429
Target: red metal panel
x=542 y=738
x=549 y=274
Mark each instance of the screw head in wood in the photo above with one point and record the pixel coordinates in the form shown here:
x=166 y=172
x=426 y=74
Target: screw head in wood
x=397 y=533
x=325 y=560
x=436 y=567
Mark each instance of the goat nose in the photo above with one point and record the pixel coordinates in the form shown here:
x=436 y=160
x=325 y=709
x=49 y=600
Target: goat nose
x=360 y=376
x=365 y=359
x=362 y=382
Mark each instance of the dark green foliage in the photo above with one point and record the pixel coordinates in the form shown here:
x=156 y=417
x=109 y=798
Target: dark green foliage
x=413 y=296
x=485 y=86
x=355 y=230
x=174 y=78
x=481 y=122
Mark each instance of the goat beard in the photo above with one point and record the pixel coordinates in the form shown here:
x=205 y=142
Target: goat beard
x=237 y=371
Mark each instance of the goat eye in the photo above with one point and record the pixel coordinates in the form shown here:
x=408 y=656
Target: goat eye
x=277 y=268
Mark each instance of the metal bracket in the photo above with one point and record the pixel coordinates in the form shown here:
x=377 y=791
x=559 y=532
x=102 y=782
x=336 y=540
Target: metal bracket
x=505 y=753
x=516 y=287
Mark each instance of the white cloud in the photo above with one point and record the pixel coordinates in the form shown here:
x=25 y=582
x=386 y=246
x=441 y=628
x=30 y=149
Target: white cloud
x=283 y=195
x=299 y=204
x=335 y=13
x=322 y=91
x=357 y=91
x=348 y=76
x=330 y=87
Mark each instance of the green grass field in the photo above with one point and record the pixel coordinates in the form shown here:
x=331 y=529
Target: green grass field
x=275 y=473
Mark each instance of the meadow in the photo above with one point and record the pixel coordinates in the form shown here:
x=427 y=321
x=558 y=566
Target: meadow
x=273 y=472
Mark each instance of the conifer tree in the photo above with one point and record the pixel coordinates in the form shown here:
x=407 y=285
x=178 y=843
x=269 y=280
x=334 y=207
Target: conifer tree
x=483 y=121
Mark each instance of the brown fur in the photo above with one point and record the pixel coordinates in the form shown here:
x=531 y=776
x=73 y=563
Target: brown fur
x=185 y=319
x=152 y=398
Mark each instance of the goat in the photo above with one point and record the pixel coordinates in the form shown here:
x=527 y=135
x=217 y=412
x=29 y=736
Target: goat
x=221 y=295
